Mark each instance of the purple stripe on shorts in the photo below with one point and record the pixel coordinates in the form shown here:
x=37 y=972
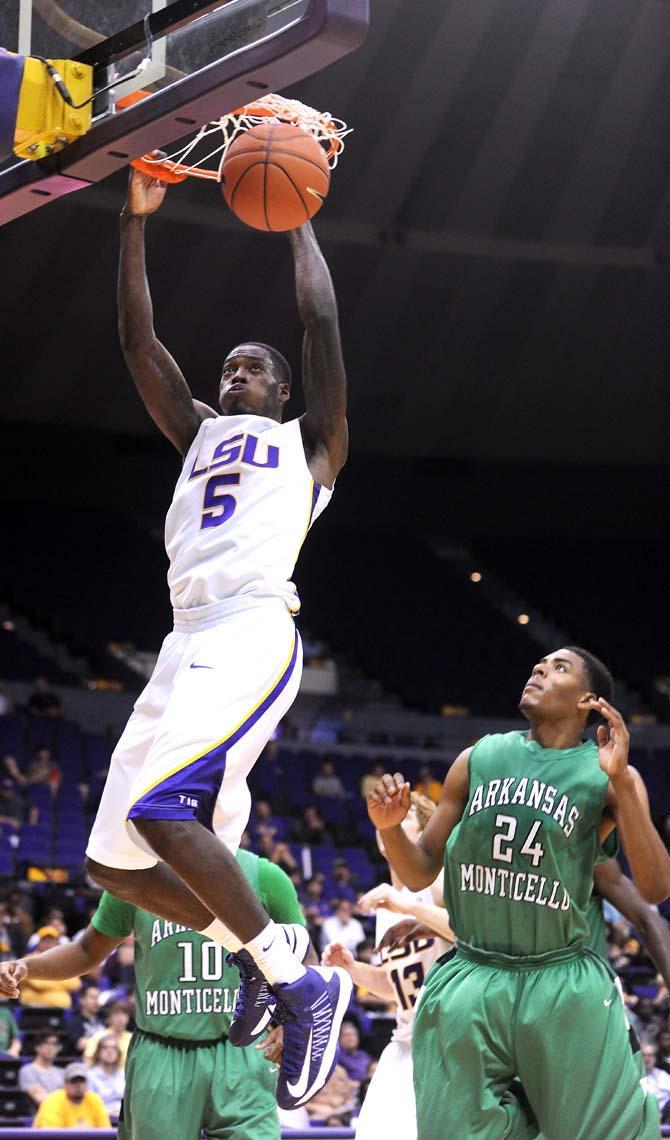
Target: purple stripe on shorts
x=315 y=498
x=191 y=792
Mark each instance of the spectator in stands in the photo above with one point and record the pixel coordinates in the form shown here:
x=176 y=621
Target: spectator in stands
x=43 y=701
x=663 y=1050
x=656 y=1080
x=43 y=993
x=336 y=1101
x=314 y=906
x=120 y=966
x=86 y=1021
x=344 y=879
x=43 y=769
x=10 y=1042
x=17 y=921
x=105 y=1077
x=11 y=808
x=343 y=927
x=428 y=785
x=54 y=917
x=265 y=823
x=311 y=827
x=6 y=705
x=284 y=858
x=370 y=778
x=647 y=1024
x=117 y=1026
x=9 y=769
x=327 y=783
x=74 y=1106
x=5 y=944
x=354 y=1060
x=41 y=1076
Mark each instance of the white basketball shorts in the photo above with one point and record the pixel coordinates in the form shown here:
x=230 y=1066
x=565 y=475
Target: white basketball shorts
x=389 y=1108
x=214 y=699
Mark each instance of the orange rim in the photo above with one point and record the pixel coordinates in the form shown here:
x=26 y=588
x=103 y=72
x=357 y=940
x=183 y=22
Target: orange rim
x=164 y=171
x=172 y=172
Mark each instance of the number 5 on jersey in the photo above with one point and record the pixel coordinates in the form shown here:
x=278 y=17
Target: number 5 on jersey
x=217 y=508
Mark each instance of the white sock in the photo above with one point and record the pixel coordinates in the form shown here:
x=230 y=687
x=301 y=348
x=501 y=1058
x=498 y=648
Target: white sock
x=217 y=932
x=272 y=954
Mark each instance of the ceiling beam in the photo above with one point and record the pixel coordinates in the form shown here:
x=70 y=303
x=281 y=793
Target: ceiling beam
x=187 y=212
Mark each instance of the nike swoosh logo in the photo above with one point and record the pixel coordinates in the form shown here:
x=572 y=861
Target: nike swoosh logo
x=202 y=666
x=300 y=1087
x=265 y=1019
x=608 y=1002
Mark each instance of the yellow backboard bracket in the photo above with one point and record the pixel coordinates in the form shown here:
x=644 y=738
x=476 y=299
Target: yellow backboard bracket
x=45 y=123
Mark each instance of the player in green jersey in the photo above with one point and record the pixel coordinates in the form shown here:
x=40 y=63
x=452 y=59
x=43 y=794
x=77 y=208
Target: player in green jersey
x=520 y=826
x=182 y=1074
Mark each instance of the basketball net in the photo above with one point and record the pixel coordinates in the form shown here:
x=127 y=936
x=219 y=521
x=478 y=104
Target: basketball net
x=184 y=162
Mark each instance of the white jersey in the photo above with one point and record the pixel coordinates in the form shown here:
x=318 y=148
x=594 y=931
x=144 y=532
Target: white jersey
x=407 y=967
x=242 y=506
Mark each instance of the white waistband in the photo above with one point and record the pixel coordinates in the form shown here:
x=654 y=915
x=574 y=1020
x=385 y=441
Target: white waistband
x=204 y=617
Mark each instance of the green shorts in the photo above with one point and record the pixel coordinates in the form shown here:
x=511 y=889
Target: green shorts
x=560 y=1027
x=173 y=1091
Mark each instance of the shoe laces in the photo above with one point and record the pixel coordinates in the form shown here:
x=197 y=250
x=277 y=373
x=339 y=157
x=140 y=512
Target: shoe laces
x=249 y=975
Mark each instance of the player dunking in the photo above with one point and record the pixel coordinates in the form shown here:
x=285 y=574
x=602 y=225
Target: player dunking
x=520 y=826
x=176 y=800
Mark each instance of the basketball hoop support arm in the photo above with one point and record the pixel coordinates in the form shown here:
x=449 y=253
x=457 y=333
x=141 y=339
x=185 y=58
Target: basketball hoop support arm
x=329 y=30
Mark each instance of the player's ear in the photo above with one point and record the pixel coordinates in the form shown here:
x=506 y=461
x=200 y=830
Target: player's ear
x=284 y=393
x=584 y=702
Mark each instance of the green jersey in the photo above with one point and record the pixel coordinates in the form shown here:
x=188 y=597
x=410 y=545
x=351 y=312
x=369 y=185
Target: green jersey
x=596 y=939
x=519 y=864
x=595 y=919
x=184 y=988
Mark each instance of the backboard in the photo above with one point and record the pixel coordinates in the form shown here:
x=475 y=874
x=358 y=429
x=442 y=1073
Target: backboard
x=161 y=69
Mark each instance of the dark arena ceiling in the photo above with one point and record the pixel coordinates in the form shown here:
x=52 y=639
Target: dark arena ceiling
x=498 y=230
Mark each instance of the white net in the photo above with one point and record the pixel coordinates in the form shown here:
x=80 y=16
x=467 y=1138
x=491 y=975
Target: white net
x=191 y=157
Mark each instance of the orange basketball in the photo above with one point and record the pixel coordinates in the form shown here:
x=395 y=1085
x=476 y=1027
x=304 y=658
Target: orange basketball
x=275 y=176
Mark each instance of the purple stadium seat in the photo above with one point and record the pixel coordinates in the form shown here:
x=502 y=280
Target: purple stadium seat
x=12 y=735
x=42 y=730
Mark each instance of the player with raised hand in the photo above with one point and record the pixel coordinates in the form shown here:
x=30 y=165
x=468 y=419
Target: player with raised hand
x=176 y=799
x=389 y=1108
x=519 y=827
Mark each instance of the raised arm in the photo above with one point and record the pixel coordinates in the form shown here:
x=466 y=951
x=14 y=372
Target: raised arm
x=371 y=978
x=387 y=897
x=69 y=960
x=618 y=889
x=417 y=865
x=324 y=426
x=627 y=808
x=157 y=375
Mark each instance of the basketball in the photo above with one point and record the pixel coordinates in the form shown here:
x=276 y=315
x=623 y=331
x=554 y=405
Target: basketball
x=275 y=176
